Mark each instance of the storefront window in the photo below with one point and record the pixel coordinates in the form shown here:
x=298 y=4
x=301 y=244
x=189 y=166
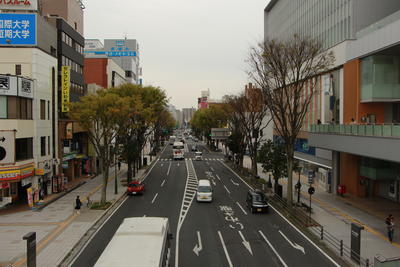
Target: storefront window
x=3 y=107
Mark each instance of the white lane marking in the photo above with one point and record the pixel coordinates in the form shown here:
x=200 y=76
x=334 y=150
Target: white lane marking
x=227 y=190
x=225 y=250
x=294 y=245
x=273 y=249
x=212 y=169
x=218 y=177
x=199 y=245
x=105 y=221
x=291 y=224
x=237 y=184
x=169 y=168
x=154 y=199
x=187 y=200
x=240 y=206
x=246 y=243
x=178 y=164
x=162 y=184
x=162 y=165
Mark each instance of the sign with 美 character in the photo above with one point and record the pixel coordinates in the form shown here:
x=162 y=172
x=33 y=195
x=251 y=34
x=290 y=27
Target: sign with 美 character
x=19 y=5
x=7 y=147
x=17 y=29
x=65 y=86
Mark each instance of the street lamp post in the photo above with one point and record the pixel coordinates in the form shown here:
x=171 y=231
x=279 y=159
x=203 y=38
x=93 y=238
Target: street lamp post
x=298 y=187
x=115 y=170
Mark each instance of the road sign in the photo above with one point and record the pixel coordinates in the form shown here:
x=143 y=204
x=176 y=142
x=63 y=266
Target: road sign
x=311 y=190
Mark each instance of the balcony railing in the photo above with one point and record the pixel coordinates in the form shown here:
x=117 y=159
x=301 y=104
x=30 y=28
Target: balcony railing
x=377 y=130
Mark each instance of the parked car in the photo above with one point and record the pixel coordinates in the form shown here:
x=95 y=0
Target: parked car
x=204 y=191
x=256 y=201
x=135 y=187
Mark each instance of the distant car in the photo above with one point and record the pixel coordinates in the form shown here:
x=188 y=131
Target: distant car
x=195 y=139
x=135 y=187
x=256 y=201
x=198 y=155
x=194 y=148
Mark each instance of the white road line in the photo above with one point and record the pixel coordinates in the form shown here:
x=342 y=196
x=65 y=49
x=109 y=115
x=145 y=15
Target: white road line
x=240 y=206
x=169 y=168
x=154 y=199
x=225 y=250
x=291 y=224
x=227 y=190
x=218 y=177
x=237 y=184
x=294 y=245
x=273 y=249
x=211 y=168
x=162 y=184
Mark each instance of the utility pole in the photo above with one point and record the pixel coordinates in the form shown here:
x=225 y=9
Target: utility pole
x=115 y=170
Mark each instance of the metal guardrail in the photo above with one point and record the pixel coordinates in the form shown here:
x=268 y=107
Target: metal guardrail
x=298 y=215
x=377 y=130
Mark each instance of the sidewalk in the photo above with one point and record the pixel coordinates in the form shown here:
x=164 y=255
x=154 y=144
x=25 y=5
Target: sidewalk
x=58 y=229
x=336 y=214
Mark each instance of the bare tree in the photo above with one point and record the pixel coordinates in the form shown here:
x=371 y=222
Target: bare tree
x=250 y=112
x=287 y=72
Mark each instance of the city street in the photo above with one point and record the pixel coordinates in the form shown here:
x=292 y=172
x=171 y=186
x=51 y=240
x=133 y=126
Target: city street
x=221 y=233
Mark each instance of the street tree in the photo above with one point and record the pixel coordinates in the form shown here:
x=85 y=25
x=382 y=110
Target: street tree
x=99 y=114
x=164 y=126
x=287 y=72
x=251 y=116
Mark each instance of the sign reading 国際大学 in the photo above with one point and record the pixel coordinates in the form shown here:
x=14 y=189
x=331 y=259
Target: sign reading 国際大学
x=17 y=29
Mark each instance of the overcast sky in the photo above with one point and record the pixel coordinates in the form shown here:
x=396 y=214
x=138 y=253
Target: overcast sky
x=186 y=46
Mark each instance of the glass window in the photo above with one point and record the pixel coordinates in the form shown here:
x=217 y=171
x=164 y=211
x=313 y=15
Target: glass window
x=29 y=109
x=22 y=108
x=12 y=107
x=43 y=146
x=23 y=148
x=48 y=145
x=42 y=109
x=3 y=107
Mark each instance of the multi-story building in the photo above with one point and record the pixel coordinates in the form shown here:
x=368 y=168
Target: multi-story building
x=124 y=52
x=187 y=115
x=28 y=93
x=356 y=106
x=72 y=143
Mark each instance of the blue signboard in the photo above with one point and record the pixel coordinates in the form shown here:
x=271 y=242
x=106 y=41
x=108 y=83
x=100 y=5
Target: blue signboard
x=17 y=29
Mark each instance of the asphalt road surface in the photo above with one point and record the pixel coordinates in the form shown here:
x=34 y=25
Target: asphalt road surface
x=221 y=233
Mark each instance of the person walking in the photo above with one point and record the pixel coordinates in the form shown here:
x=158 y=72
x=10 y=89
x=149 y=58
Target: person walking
x=390 y=227
x=119 y=165
x=78 y=205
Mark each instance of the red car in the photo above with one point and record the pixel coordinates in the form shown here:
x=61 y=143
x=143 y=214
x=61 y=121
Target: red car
x=135 y=187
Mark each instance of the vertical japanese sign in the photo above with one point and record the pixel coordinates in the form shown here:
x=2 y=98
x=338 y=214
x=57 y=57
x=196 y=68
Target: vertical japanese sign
x=17 y=29
x=65 y=85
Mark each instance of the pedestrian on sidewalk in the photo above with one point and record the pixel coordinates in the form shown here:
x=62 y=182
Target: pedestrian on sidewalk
x=119 y=165
x=78 y=205
x=390 y=227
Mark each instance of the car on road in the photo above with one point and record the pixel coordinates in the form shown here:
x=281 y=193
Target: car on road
x=135 y=187
x=198 y=155
x=194 y=148
x=204 y=191
x=256 y=201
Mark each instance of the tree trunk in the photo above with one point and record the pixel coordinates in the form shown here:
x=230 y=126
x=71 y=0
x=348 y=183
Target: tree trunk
x=253 y=158
x=290 y=176
x=105 y=182
x=129 y=172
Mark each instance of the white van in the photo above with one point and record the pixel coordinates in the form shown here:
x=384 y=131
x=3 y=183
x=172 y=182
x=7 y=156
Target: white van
x=204 y=191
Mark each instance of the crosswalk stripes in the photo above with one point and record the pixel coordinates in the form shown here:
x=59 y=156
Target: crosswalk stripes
x=204 y=159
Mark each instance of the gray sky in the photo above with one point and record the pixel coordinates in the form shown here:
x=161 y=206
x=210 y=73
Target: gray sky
x=186 y=46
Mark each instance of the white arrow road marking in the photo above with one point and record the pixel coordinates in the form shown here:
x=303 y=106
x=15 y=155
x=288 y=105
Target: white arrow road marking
x=296 y=246
x=178 y=164
x=227 y=190
x=162 y=184
x=154 y=198
x=169 y=168
x=198 y=246
x=273 y=249
x=237 y=184
x=240 y=206
x=218 y=177
x=225 y=250
x=246 y=243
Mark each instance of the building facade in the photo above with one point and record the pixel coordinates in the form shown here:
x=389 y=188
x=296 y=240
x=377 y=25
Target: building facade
x=28 y=81
x=349 y=135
